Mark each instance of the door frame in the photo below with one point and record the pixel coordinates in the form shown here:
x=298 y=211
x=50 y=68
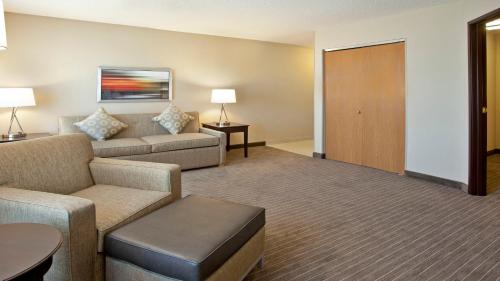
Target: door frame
x=477 y=100
x=364 y=45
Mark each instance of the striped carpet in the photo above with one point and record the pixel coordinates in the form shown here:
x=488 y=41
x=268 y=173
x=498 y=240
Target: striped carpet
x=334 y=221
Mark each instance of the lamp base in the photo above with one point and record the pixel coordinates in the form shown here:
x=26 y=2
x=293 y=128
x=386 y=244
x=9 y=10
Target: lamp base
x=14 y=136
x=223 y=124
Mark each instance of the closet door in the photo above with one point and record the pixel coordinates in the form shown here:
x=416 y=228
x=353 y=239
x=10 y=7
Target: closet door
x=364 y=90
x=343 y=99
x=384 y=108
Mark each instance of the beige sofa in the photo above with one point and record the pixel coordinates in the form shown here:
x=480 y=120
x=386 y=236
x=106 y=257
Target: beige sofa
x=57 y=181
x=145 y=140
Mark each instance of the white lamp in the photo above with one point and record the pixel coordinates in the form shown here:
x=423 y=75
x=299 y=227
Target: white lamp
x=15 y=98
x=3 y=32
x=223 y=96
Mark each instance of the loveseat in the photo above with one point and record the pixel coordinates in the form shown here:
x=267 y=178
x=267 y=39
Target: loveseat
x=57 y=181
x=146 y=140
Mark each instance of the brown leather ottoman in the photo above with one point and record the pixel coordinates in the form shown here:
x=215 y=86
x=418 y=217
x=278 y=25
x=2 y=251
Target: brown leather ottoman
x=194 y=238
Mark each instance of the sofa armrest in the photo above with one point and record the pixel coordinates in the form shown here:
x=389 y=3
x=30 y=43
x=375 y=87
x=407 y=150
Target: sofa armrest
x=136 y=174
x=73 y=216
x=222 y=142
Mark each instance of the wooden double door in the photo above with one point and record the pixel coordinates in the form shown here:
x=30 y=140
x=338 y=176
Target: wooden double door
x=364 y=92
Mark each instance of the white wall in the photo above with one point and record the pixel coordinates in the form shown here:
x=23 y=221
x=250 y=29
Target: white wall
x=59 y=58
x=437 y=89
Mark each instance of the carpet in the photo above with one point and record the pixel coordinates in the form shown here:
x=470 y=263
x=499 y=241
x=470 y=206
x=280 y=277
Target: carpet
x=328 y=220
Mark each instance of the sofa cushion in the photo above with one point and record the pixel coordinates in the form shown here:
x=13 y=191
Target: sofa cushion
x=100 y=125
x=139 y=125
x=120 y=147
x=188 y=239
x=116 y=206
x=160 y=143
x=58 y=164
x=173 y=119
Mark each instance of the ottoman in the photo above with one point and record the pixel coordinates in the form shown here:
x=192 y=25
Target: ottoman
x=194 y=238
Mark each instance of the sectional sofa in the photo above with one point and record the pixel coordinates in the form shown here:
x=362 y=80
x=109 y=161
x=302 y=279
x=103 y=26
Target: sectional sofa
x=145 y=140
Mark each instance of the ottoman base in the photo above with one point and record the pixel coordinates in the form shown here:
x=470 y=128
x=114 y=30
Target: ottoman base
x=234 y=269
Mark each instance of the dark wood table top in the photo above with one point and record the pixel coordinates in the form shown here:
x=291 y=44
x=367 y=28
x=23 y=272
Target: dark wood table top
x=28 y=137
x=231 y=125
x=24 y=246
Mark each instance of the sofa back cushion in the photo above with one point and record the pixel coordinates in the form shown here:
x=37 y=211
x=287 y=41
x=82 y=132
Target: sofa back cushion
x=139 y=125
x=58 y=164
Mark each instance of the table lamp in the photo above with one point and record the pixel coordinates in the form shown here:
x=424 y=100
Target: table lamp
x=223 y=96
x=15 y=98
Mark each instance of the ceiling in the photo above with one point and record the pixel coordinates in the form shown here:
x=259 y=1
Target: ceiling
x=282 y=21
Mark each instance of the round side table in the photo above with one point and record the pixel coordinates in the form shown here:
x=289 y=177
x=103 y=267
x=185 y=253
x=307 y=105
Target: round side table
x=26 y=250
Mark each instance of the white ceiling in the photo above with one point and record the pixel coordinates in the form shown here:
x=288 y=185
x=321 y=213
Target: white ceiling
x=283 y=21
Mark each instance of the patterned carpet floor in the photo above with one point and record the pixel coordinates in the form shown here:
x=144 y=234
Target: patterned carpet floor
x=334 y=221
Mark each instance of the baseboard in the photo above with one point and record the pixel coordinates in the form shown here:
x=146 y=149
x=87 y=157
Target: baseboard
x=250 y=144
x=438 y=180
x=319 y=155
x=493 y=152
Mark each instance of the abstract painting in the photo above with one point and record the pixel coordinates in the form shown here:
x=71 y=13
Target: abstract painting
x=117 y=84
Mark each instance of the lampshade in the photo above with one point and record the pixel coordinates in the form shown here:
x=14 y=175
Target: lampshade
x=223 y=96
x=3 y=32
x=16 y=97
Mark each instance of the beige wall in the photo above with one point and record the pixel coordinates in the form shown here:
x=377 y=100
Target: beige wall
x=59 y=58
x=496 y=79
x=491 y=91
x=493 y=88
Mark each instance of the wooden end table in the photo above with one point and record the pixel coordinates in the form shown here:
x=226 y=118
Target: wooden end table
x=28 y=137
x=26 y=250
x=228 y=129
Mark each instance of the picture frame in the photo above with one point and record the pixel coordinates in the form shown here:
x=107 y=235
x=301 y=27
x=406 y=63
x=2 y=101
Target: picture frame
x=134 y=84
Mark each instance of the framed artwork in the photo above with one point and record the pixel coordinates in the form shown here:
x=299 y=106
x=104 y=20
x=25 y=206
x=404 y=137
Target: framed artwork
x=130 y=84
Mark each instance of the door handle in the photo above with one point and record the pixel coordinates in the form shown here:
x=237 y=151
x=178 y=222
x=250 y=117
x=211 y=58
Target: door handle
x=484 y=109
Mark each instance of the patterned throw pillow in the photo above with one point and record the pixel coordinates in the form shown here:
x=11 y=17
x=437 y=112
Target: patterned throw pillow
x=101 y=125
x=173 y=119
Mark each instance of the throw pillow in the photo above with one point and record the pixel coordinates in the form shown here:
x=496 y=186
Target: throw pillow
x=101 y=125
x=173 y=119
